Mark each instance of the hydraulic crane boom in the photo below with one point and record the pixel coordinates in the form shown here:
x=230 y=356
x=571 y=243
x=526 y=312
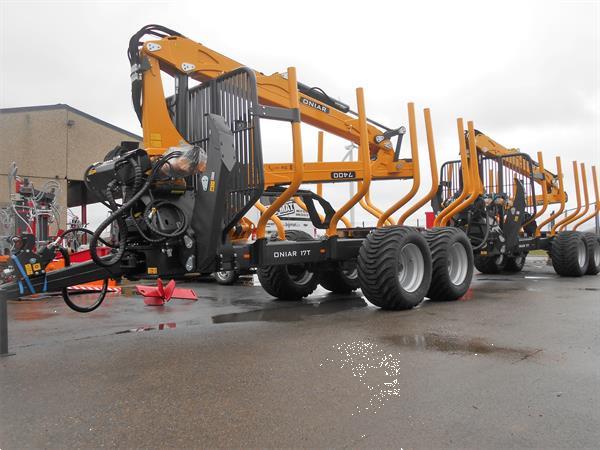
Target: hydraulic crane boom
x=546 y=179
x=185 y=59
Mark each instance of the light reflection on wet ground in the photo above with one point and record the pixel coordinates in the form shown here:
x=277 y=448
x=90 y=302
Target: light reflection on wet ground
x=377 y=370
x=457 y=344
x=294 y=312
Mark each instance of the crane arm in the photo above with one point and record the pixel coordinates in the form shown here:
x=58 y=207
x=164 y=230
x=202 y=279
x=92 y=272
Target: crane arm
x=546 y=179
x=185 y=59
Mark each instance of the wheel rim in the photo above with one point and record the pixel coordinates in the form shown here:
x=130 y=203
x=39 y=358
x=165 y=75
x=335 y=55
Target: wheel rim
x=411 y=267
x=351 y=274
x=222 y=275
x=458 y=263
x=581 y=253
x=597 y=255
x=299 y=274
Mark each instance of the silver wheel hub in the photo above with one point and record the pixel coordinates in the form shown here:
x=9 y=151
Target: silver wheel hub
x=222 y=274
x=299 y=274
x=581 y=253
x=351 y=274
x=458 y=263
x=411 y=267
x=597 y=254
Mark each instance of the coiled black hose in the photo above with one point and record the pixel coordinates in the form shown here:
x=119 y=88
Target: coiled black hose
x=154 y=205
x=486 y=234
x=118 y=214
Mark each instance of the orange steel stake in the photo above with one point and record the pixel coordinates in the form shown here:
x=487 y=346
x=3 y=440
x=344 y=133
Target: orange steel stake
x=414 y=148
x=557 y=225
x=366 y=162
x=586 y=199
x=441 y=220
x=432 y=167
x=561 y=193
x=298 y=162
x=597 y=195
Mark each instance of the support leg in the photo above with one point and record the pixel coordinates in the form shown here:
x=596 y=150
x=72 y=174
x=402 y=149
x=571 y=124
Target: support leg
x=4 y=328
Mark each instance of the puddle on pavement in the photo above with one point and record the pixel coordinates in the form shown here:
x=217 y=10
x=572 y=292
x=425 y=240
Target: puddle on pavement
x=160 y=326
x=457 y=344
x=496 y=279
x=293 y=313
x=290 y=313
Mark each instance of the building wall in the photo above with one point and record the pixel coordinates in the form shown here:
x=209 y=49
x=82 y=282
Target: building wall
x=36 y=141
x=52 y=143
x=88 y=142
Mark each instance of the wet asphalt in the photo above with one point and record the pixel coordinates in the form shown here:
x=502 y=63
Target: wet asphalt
x=515 y=364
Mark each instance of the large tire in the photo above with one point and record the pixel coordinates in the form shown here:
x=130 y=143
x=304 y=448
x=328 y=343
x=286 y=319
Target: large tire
x=515 y=263
x=569 y=254
x=452 y=263
x=593 y=243
x=340 y=279
x=291 y=281
x=394 y=268
x=490 y=264
x=226 y=277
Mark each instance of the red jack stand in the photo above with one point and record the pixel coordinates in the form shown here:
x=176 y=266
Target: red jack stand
x=159 y=295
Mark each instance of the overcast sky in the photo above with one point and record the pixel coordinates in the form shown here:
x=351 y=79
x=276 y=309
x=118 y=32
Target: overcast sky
x=527 y=73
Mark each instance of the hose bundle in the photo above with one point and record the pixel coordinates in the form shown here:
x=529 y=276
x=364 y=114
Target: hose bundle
x=133 y=53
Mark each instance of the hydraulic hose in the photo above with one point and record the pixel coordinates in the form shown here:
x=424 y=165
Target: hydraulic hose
x=486 y=234
x=154 y=205
x=65 y=292
x=117 y=214
x=83 y=230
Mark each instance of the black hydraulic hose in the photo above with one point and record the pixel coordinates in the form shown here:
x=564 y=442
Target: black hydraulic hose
x=133 y=54
x=144 y=235
x=65 y=292
x=157 y=204
x=122 y=231
x=86 y=231
x=122 y=209
x=485 y=236
x=137 y=173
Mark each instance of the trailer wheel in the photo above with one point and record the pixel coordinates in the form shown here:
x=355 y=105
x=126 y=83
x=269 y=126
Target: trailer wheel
x=569 y=254
x=593 y=243
x=394 y=267
x=226 y=277
x=490 y=264
x=343 y=279
x=290 y=281
x=452 y=263
x=515 y=263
